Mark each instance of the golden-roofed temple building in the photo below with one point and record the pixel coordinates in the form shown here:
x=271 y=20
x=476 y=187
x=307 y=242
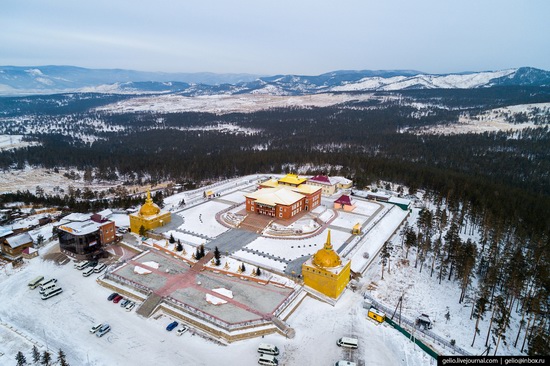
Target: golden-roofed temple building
x=283 y=198
x=150 y=216
x=325 y=272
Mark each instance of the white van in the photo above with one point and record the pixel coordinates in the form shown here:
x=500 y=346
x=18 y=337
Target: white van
x=44 y=284
x=88 y=271
x=347 y=342
x=100 y=267
x=44 y=289
x=56 y=291
x=82 y=265
x=268 y=360
x=268 y=349
x=345 y=363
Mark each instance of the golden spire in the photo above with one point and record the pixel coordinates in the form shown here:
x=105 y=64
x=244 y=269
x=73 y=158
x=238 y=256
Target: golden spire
x=327 y=257
x=328 y=245
x=149 y=208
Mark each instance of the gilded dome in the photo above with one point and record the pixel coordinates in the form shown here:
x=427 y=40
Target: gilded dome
x=149 y=208
x=327 y=257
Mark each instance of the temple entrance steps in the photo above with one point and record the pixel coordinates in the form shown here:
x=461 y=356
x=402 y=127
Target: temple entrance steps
x=255 y=223
x=149 y=305
x=283 y=327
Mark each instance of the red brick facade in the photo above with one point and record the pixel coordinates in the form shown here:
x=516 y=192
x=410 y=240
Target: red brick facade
x=285 y=211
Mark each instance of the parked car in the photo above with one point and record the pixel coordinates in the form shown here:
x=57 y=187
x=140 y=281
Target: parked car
x=105 y=328
x=117 y=299
x=182 y=330
x=112 y=296
x=130 y=306
x=171 y=326
x=124 y=302
x=95 y=328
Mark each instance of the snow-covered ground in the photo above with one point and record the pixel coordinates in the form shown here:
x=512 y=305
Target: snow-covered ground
x=203 y=221
x=493 y=120
x=8 y=142
x=422 y=294
x=51 y=182
x=222 y=104
x=64 y=322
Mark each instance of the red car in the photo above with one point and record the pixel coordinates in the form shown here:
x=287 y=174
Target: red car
x=117 y=299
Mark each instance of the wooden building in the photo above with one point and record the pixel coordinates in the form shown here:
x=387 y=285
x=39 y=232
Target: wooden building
x=13 y=246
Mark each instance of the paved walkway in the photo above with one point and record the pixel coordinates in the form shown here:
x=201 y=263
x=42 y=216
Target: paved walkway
x=232 y=241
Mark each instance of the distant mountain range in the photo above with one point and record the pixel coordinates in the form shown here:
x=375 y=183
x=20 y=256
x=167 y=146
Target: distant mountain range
x=17 y=80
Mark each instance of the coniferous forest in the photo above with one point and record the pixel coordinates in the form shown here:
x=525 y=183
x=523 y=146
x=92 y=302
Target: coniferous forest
x=497 y=183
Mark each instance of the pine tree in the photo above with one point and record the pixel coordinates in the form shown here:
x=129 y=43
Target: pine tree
x=172 y=240
x=410 y=240
x=21 y=359
x=61 y=358
x=384 y=255
x=202 y=250
x=258 y=271
x=179 y=247
x=539 y=345
x=465 y=263
x=142 y=230
x=243 y=268
x=35 y=354
x=480 y=308
x=502 y=320
x=198 y=253
x=46 y=358
x=217 y=256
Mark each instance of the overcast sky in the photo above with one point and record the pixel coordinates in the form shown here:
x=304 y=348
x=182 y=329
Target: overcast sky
x=278 y=36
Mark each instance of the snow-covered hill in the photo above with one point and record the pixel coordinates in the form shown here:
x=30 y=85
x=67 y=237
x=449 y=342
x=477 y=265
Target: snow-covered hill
x=57 y=79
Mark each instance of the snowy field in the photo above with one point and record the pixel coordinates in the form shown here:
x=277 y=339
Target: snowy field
x=376 y=237
x=185 y=238
x=258 y=260
x=348 y=220
x=9 y=142
x=365 y=208
x=222 y=104
x=292 y=249
x=201 y=219
x=493 y=120
x=64 y=322
x=52 y=183
x=236 y=197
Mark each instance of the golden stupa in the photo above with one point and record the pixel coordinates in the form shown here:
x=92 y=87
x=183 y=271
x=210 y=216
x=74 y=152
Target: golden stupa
x=150 y=216
x=325 y=272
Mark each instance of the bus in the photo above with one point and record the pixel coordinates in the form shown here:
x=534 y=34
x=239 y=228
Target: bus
x=34 y=283
x=56 y=291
